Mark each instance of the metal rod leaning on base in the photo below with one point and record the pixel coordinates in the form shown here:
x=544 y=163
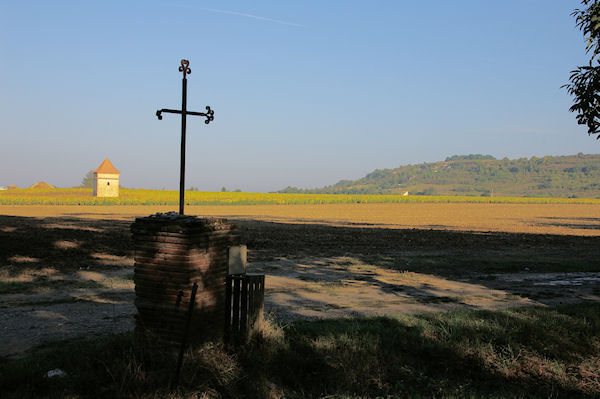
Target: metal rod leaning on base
x=209 y=114
x=185 y=335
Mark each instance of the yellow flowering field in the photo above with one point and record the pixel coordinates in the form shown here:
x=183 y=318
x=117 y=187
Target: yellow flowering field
x=83 y=196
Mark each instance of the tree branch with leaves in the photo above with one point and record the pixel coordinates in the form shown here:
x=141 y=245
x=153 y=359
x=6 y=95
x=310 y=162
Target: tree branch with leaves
x=585 y=80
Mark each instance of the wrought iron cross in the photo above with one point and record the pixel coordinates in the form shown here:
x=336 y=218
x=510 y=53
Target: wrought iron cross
x=209 y=114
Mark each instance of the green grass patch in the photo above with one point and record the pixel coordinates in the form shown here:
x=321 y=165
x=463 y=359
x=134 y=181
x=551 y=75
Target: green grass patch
x=525 y=352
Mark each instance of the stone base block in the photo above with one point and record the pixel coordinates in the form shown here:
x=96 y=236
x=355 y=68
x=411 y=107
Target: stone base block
x=172 y=252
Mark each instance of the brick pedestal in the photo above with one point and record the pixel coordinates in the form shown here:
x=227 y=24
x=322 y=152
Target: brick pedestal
x=173 y=252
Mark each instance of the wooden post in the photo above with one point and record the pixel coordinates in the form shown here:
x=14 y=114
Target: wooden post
x=228 y=328
x=244 y=308
x=236 y=305
x=251 y=304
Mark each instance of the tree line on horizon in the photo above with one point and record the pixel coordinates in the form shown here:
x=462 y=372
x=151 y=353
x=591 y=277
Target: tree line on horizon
x=480 y=175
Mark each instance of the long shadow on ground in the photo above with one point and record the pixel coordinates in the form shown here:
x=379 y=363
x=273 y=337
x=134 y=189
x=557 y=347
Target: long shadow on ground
x=441 y=252
x=64 y=244
x=69 y=244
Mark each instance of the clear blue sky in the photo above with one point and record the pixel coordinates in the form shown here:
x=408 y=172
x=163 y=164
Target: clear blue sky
x=305 y=93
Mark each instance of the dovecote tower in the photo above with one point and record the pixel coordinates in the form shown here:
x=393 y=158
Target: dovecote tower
x=106 y=180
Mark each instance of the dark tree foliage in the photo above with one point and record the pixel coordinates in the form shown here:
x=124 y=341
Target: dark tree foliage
x=468 y=157
x=585 y=80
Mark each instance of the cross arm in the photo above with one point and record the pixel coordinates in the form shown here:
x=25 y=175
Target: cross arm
x=209 y=114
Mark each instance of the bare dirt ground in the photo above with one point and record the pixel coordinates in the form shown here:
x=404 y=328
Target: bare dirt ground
x=67 y=272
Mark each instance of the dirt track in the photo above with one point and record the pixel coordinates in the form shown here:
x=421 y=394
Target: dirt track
x=67 y=271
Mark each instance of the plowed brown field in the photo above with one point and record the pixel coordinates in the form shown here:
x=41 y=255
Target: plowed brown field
x=561 y=219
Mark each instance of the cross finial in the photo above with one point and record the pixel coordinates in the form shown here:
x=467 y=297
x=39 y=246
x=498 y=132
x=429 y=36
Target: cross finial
x=185 y=68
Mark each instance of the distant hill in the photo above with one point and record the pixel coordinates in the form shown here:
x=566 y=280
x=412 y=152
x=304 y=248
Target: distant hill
x=481 y=175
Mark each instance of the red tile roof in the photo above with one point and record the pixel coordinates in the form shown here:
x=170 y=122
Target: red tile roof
x=107 y=167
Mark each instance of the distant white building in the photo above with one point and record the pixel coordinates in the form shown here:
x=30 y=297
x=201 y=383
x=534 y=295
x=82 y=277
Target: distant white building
x=3 y=188
x=106 y=180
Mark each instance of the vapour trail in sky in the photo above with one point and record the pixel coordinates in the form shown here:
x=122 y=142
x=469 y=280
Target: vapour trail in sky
x=277 y=21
